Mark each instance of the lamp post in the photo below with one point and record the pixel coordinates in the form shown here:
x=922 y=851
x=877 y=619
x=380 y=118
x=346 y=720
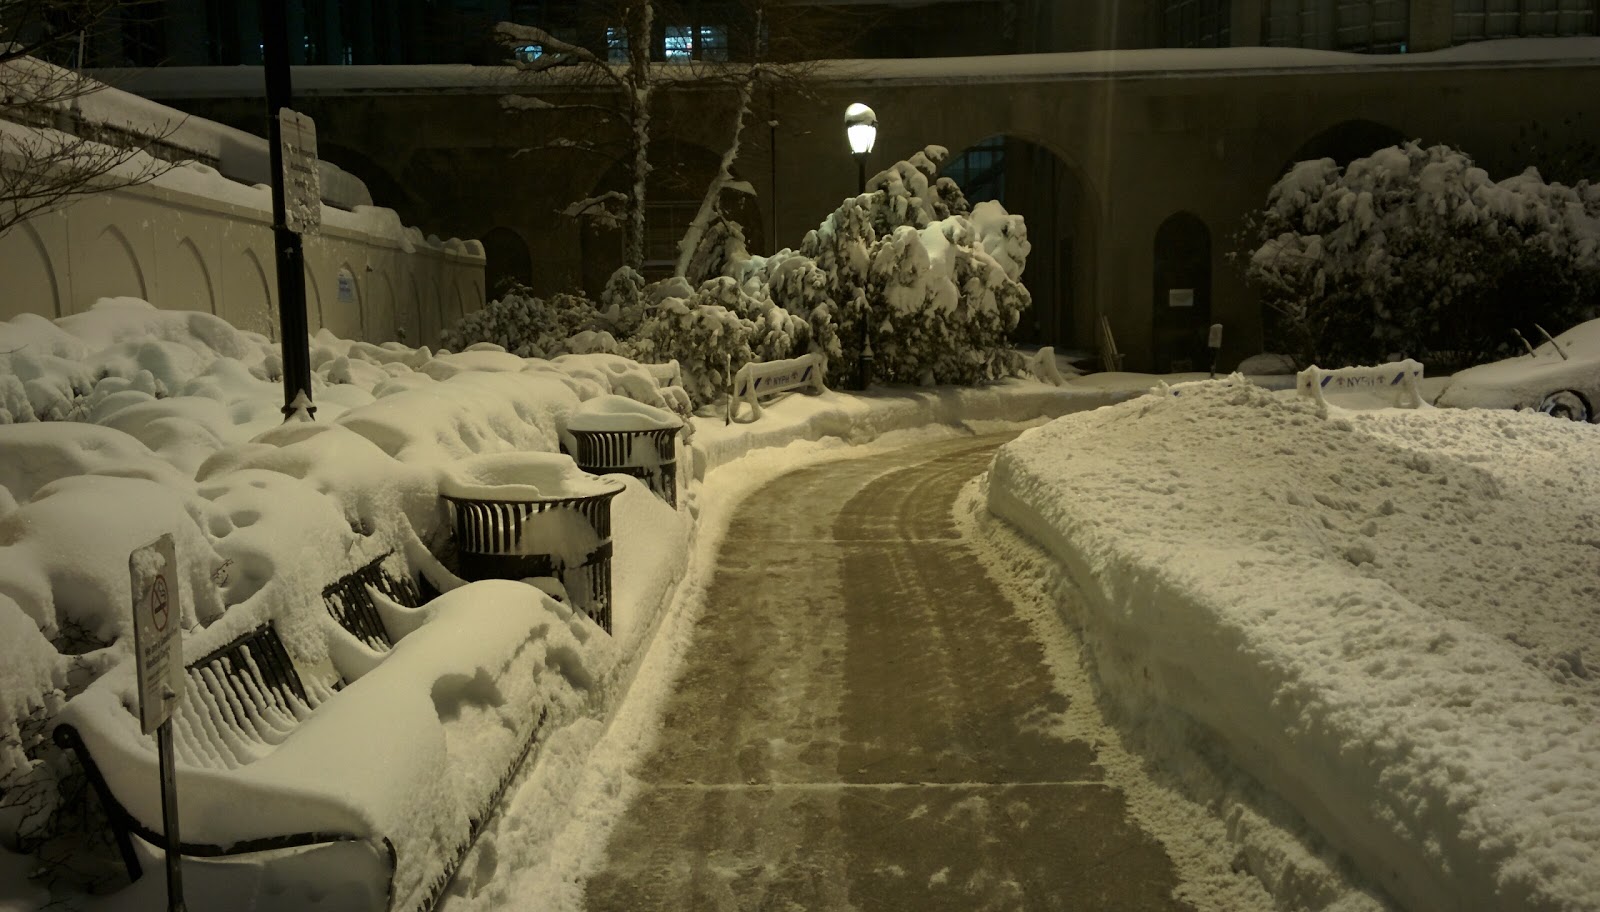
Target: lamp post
x=861 y=127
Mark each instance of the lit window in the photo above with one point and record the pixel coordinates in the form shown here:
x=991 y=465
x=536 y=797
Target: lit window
x=687 y=42
x=616 y=44
x=528 y=53
x=679 y=44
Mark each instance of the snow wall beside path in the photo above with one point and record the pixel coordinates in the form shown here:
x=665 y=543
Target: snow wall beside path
x=858 y=418
x=1449 y=762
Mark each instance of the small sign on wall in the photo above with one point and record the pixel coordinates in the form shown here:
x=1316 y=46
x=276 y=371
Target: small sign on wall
x=1180 y=297
x=347 y=287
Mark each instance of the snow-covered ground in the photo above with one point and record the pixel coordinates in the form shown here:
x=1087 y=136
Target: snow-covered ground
x=160 y=421
x=1383 y=616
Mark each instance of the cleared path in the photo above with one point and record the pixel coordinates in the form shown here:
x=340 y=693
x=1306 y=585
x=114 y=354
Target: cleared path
x=862 y=724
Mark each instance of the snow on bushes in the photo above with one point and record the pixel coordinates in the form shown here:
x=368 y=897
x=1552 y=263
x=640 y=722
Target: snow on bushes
x=1415 y=250
x=935 y=286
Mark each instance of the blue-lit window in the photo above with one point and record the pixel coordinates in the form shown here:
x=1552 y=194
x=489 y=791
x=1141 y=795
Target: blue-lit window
x=528 y=53
x=616 y=44
x=688 y=42
x=679 y=44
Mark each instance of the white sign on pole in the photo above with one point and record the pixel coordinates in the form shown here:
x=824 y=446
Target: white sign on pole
x=1180 y=297
x=302 y=184
x=158 y=653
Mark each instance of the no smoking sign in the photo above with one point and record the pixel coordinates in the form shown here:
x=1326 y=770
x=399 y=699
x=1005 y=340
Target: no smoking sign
x=158 y=653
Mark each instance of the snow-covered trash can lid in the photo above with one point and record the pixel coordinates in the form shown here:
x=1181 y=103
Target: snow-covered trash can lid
x=619 y=413
x=522 y=476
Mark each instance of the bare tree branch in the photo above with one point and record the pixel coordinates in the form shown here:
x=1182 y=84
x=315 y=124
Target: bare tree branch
x=56 y=140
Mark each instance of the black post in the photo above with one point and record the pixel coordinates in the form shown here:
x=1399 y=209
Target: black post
x=169 y=817
x=864 y=363
x=291 y=257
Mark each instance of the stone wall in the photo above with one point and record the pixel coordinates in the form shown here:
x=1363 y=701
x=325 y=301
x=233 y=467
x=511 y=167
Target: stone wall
x=194 y=240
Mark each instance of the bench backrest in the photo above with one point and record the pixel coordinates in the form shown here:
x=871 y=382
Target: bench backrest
x=238 y=699
x=669 y=374
x=1399 y=380
x=349 y=600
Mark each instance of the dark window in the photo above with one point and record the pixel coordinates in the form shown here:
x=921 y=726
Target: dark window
x=1476 y=20
x=980 y=171
x=1196 y=23
x=1373 y=26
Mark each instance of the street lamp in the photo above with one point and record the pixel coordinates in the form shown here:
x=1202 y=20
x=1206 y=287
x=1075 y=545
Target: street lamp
x=861 y=126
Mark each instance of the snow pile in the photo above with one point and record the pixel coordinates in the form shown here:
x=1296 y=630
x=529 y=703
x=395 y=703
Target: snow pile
x=1385 y=616
x=166 y=421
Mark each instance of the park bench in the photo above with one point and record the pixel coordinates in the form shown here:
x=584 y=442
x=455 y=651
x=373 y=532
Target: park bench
x=768 y=378
x=277 y=758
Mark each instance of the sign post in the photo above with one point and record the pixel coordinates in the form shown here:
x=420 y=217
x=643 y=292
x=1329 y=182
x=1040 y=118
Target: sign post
x=1214 y=342
x=287 y=143
x=158 y=657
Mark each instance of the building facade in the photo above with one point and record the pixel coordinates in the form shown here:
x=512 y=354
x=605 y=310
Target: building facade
x=1134 y=170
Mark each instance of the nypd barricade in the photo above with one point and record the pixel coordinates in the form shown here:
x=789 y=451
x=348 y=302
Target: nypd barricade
x=1398 y=380
x=768 y=378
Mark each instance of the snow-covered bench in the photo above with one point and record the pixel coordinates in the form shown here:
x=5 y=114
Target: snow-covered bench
x=1397 y=381
x=768 y=378
x=382 y=764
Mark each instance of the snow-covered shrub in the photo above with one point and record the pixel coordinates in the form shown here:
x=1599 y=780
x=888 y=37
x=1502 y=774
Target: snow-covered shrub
x=623 y=301
x=1416 y=250
x=708 y=340
x=528 y=326
x=935 y=285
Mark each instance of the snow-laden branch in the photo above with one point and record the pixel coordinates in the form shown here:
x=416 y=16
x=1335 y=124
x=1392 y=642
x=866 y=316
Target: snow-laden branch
x=608 y=209
x=553 y=51
x=709 y=204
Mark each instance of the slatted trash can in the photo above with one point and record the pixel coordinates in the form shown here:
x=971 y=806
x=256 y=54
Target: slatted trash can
x=617 y=435
x=521 y=515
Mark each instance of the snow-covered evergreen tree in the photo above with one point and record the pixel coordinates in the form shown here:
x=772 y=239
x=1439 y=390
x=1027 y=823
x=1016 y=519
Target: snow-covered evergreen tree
x=1415 y=250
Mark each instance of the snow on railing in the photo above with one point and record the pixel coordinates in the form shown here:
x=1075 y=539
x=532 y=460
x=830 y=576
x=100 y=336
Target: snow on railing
x=1400 y=379
x=766 y=378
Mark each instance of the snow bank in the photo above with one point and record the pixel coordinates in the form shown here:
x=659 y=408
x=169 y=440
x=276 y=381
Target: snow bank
x=1383 y=616
x=127 y=422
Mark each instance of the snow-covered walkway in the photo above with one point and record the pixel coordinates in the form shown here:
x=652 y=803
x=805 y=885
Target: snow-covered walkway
x=864 y=722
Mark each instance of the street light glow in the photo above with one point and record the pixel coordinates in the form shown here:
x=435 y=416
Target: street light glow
x=861 y=125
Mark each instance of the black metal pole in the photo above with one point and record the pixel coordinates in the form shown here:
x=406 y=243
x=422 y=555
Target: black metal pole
x=291 y=257
x=864 y=363
x=169 y=817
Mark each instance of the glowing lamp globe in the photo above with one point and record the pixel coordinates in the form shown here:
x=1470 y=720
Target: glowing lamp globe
x=861 y=125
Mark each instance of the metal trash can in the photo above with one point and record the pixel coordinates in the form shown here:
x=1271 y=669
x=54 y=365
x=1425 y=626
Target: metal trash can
x=508 y=528
x=616 y=435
